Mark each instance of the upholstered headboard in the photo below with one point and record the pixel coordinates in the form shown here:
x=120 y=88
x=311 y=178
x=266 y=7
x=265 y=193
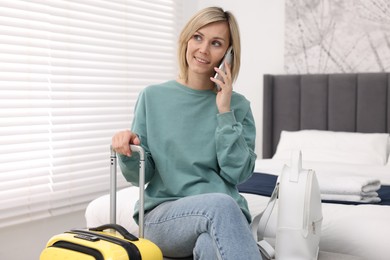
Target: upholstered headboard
x=338 y=102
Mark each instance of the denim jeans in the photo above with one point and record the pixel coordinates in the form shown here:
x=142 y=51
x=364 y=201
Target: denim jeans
x=207 y=226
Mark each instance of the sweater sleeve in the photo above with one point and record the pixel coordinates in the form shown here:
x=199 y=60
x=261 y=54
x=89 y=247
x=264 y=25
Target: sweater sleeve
x=130 y=168
x=235 y=143
x=130 y=165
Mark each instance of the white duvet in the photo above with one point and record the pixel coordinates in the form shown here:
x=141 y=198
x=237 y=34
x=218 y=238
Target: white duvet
x=358 y=230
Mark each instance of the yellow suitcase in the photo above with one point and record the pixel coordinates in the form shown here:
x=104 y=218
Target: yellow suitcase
x=109 y=241
x=98 y=244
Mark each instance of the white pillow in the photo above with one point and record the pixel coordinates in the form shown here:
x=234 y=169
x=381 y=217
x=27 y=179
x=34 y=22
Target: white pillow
x=329 y=146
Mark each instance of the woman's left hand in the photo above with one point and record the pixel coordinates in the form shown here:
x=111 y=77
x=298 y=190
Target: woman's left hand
x=225 y=94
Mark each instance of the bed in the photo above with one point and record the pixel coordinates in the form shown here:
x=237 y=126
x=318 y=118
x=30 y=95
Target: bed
x=341 y=123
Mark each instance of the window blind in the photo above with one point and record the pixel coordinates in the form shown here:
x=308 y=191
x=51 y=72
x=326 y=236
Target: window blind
x=70 y=74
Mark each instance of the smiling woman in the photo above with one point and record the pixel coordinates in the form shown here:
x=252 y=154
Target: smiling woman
x=70 y=74
x=206 y=49
x=192 y=195
x=228 y=35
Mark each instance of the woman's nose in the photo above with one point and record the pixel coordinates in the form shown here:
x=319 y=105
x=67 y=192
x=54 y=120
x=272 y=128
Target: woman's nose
x=204 y=48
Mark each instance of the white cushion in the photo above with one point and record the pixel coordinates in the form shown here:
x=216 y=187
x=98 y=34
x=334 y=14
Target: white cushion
x=98 y=211
x=329 y=146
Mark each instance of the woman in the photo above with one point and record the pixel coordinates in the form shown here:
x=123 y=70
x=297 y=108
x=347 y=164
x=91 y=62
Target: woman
x=199 y=144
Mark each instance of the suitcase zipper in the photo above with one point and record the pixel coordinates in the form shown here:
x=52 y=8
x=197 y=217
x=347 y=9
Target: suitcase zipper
x=79 y=248
x=131 y=249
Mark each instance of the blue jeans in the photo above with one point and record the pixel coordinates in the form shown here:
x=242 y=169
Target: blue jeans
x=207 y=226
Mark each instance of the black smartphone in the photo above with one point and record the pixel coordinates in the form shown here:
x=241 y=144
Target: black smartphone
x=228 y=57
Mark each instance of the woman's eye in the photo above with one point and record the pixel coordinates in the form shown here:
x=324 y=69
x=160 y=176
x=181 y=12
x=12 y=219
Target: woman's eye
x=216 y=43
x=197 y=37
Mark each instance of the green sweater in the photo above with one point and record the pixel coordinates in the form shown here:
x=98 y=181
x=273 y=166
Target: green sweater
x=191 y=148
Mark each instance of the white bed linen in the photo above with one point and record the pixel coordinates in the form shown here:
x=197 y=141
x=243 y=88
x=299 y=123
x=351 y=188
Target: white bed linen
x=358 y=230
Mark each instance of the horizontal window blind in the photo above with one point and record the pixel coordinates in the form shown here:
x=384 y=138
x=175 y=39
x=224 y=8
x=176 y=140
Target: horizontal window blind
x=70 y=74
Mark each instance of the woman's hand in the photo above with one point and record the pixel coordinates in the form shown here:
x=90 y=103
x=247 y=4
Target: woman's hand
x=121 y=141
x=225 y=94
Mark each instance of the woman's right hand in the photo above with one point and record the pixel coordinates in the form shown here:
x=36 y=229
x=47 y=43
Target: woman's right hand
x=121 y=141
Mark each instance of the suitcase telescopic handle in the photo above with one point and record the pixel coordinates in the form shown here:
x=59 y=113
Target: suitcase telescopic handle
x=113 y=186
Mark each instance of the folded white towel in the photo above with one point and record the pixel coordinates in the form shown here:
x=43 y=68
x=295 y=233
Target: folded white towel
x=347 y=185
x=351 y=198
x=350 y=188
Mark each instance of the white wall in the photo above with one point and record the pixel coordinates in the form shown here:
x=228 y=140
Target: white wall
x=262 y=38
x=261 y=23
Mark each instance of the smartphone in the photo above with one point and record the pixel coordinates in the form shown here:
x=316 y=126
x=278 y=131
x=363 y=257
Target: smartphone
x=228 y=57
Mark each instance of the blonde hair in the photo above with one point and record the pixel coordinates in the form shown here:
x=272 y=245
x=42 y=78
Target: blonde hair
x=202 y=18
